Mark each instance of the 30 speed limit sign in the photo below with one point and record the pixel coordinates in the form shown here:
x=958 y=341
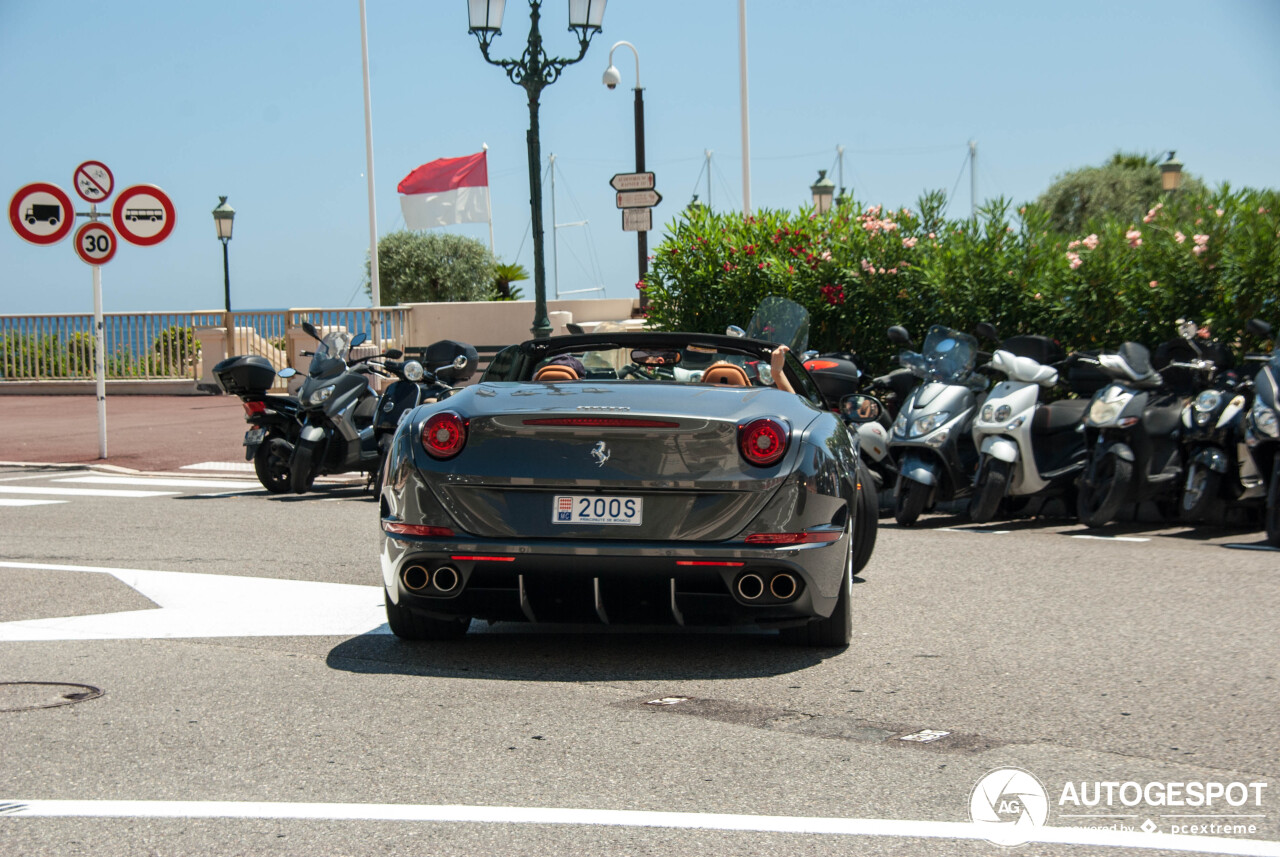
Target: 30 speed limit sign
x=95 y=243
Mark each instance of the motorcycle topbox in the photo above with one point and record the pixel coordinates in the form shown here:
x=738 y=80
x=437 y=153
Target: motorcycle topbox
x=246 y=374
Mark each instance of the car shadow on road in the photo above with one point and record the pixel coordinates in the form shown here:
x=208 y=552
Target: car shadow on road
x=517 y=652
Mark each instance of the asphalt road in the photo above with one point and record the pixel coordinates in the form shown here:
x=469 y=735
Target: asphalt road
x=252 y=671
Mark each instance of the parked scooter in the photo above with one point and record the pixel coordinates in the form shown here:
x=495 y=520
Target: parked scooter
x=1027 y=447
x=1219 y=467
x=1132 y=427
x=275 y=420
x=1262 y=433
x=337 y=412
x=839 y=379
x=447 y=363
x=932 y=437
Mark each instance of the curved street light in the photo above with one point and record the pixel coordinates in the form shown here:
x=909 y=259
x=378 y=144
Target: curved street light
x=535 y=71
x=611 y=79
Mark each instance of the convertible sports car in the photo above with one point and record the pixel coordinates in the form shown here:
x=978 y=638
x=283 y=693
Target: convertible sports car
x=639 y=478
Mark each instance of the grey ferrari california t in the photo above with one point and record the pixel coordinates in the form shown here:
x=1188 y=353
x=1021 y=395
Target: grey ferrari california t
x=638 y=478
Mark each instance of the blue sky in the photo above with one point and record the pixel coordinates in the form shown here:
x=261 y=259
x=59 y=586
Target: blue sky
x=262 y=101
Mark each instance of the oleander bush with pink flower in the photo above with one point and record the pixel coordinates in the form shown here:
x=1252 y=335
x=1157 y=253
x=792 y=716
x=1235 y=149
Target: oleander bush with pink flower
x=1211 y=256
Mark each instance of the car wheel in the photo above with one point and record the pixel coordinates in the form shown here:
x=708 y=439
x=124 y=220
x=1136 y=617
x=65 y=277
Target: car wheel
x=911 y=502
x=271 y=467
x=1272 y=514
x=300 y=475
x=407 y=625
x=993 y=481
x=866 y=522
x=1098 y=501
x=835 y=631
x=1199 y=492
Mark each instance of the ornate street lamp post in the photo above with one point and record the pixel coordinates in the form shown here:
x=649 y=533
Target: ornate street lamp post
x=823 y=189
x=534 y=71
x=223 y=217
x=1171 y=174
x=611 y=79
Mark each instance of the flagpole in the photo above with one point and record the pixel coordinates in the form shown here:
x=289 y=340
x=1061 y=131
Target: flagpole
x=488 y=200
x=375 y=293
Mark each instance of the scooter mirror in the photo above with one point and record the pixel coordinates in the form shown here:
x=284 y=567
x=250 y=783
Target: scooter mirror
x=395 y=353
x=985 y=330
x=734 y=330
x=1187 y=329
x=808 y=355
x=460 y=362
x=1258 y=327
x=287 y=372
x=311 y=329
x=359 y=339
x=898 y=335
x=857 y=408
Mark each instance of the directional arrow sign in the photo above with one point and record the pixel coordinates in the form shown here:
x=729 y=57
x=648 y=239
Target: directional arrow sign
x=638 y=198
x=632 y=181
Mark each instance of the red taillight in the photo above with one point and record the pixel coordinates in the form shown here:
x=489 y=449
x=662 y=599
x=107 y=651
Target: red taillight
x=399 y=529
x=775 y=539
x=763 y=442
x=813 y=365
x=252 y=409
x=444 y=435
x=472 y=558
x=601 y=422
x=701 y=562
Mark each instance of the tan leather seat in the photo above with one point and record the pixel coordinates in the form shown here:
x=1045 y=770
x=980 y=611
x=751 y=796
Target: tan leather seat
x=555 y=372
x=727 y=374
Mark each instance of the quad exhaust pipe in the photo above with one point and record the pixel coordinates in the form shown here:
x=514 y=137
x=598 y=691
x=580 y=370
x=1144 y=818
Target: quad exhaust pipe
x=750 y=586
x=782 y=586
x=417 y=578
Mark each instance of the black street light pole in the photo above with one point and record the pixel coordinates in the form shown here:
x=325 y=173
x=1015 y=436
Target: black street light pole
x=611 y=79
x=534 y=71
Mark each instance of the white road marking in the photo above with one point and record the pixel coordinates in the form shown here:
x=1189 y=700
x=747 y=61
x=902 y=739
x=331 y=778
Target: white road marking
x=236 y=466
x=13 y=501
x=82 y=492
x=213 y=605
x=1113 y=538
x=230 y=484
x=901 y=828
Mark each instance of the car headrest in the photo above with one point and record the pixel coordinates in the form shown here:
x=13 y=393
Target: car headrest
x=727 y=374
x=555 y=372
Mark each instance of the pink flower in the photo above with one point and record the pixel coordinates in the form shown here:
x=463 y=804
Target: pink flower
x=640 y=286
x=1261 y=210
x=826 y=255
x=1073 y=245
x=1179 y=237
x=893 y=270
x=1134 y=237
x=1219 y=212
x=1153 y=284
x=1091 y=241
x=1199 y=249
x=1200 y=239
x=909 y=242
x=882 y=270
x=932 y=236
x=1036 y=296
x=1074 y=259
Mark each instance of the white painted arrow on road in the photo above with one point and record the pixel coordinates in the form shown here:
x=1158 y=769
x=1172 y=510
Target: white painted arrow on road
x=212 y=605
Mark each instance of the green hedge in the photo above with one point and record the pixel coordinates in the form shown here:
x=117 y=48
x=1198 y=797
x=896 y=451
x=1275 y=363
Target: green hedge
x=1212 y=256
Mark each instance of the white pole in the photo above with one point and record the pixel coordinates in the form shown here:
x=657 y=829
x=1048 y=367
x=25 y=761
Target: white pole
x=375 y=292
x=746 y=122
x=488 y=201
x=555 y=234
x=973 y=178
x=100 y=361
x=708 y=179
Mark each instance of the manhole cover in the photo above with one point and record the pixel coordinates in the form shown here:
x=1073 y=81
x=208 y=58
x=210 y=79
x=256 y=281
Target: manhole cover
x=30 y=695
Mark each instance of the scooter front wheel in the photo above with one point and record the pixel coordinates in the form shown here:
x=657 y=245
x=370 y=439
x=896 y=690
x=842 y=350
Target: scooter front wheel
x=1272 y=514
x=300 y=468
x=1199 y=492
x=912 y=498
x=1099 y=500
x=993 y=481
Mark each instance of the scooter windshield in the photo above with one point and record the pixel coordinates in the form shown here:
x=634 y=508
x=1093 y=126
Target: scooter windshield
x=330 y=357
x=949 y=355
x=778 y=319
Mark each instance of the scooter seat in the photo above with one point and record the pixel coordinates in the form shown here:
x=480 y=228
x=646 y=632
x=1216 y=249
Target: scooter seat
x=1023 y=368
x=1059 y=416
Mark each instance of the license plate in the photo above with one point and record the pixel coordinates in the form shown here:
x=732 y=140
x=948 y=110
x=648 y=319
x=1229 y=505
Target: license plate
x=254 y=436
x=595 y=509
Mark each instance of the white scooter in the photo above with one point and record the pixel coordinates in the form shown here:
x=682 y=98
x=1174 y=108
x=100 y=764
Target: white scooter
x=1025 y=447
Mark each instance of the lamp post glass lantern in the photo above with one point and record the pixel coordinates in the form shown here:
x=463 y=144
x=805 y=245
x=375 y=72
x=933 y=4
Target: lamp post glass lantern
x=223 y=218
x=823 y=189
x=1171 y=173
x=534 y=71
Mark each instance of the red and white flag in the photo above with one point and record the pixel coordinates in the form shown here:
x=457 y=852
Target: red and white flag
x=446 y=191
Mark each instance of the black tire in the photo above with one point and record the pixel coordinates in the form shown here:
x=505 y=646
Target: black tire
x=835 y=631
x=1271 y=517
x=1199 y=492
x=993 y=482
x=866 y=521
x=384 y=450
x=1098 y=502
x=300 y=467
x=911 y=501
x=271 y=467
x=407 y=625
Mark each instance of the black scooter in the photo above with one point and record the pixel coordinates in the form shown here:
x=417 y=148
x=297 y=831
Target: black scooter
x=1262 y=436
x=275 y=420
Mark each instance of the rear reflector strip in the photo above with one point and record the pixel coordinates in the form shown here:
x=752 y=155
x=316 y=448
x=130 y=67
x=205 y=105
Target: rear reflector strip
x=464 y=558
x=698 y=562
x=792 y=538
x=601 y=422
x=399 y=529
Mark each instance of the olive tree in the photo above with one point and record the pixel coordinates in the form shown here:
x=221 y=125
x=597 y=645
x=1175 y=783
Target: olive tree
x=1124 y=187
x=427 y=267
